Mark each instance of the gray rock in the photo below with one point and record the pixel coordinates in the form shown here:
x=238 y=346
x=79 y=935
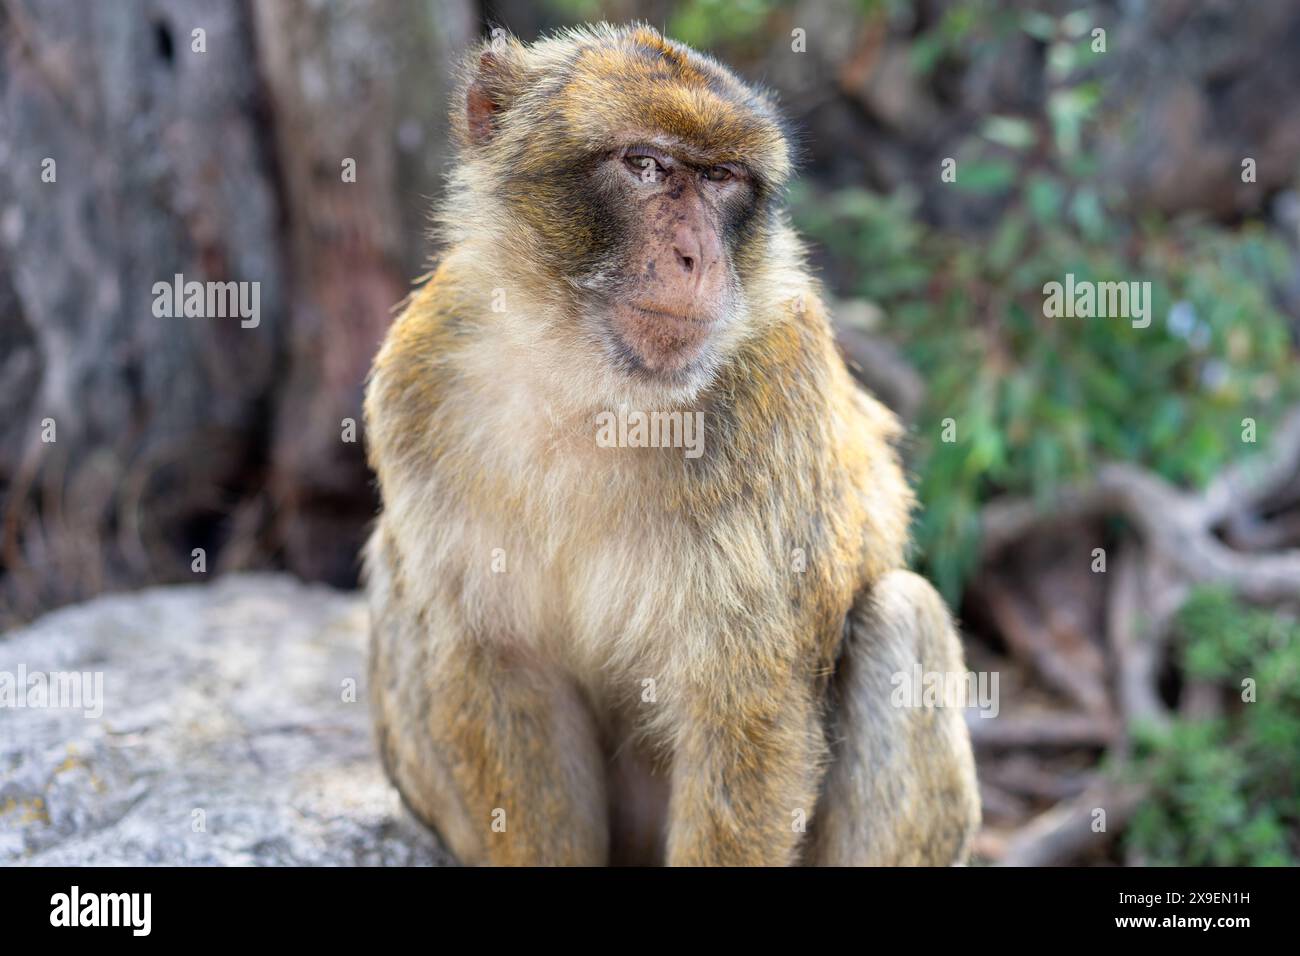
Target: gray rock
x=228 y=734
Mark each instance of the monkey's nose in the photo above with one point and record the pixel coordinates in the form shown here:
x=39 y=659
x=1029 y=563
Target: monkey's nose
x=686 y=247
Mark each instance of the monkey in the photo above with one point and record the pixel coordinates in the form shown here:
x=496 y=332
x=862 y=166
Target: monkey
x=591 y=652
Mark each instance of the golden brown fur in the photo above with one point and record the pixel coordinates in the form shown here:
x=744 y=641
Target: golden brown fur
x=560 y=626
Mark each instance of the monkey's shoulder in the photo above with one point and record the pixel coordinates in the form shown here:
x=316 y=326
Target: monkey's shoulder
x=789 y=385
x=791 y=430
x=410 y=379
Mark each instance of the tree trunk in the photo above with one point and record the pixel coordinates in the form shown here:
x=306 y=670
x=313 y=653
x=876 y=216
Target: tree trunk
x=134 y=149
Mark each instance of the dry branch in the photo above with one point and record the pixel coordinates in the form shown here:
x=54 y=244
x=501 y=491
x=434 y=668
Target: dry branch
x=1026 y=775
x=1244 y=486
x=1134 y=637
x=1047 y=730
x=1066 y=832
x=1038 y=645
x=1176 y=526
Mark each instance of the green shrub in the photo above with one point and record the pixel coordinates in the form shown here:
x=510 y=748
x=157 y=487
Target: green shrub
x=1226 y=792
x=1038 y=401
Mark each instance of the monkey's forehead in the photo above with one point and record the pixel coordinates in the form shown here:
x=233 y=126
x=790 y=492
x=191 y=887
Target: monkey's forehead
x=636 y=85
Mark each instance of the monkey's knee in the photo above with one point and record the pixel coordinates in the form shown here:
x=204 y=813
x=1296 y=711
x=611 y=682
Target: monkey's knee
x=400 y=707
x=474 y=764
x=502 y=762
x=901 y=788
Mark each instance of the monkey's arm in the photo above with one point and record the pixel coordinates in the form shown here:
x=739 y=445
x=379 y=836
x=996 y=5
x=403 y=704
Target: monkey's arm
x=747 y=771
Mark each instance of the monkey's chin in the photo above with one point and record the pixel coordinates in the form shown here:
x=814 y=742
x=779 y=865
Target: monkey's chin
x=660 y=346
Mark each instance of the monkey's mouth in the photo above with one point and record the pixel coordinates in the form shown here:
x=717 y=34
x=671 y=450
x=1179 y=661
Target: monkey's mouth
x=659 y=343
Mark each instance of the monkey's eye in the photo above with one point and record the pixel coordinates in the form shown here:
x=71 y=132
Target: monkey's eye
x=719 y=174
x=645 y=167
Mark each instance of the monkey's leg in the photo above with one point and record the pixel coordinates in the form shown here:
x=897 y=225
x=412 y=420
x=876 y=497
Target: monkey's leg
x=495 y=753
x=901 y=789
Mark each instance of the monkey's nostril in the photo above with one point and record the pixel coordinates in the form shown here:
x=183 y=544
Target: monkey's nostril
x=688 y=262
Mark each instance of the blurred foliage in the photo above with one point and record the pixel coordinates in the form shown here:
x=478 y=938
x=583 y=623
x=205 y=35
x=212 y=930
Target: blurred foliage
x=970 y=30
x=708 y=23
x=1226 y=791
x=703 y=24
x=1038 y=401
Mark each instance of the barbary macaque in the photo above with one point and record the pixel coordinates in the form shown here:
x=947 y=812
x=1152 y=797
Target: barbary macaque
x=592 y=651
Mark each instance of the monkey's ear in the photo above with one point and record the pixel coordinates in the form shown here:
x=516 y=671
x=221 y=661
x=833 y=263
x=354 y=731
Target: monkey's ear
x=492 y=85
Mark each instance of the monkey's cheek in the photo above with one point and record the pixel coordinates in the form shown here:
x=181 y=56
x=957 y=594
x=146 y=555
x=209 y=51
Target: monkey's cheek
x=659 y=343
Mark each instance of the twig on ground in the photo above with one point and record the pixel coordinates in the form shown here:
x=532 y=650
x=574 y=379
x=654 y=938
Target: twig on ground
x=1068 y=830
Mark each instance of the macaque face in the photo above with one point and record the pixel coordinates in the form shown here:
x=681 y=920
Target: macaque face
x=646 y=176
x=678 y=286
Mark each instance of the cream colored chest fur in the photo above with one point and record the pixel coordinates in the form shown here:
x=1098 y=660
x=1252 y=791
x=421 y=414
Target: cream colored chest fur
x=579 y=557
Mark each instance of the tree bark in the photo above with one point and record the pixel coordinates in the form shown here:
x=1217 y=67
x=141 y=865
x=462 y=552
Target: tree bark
x=215 y=156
